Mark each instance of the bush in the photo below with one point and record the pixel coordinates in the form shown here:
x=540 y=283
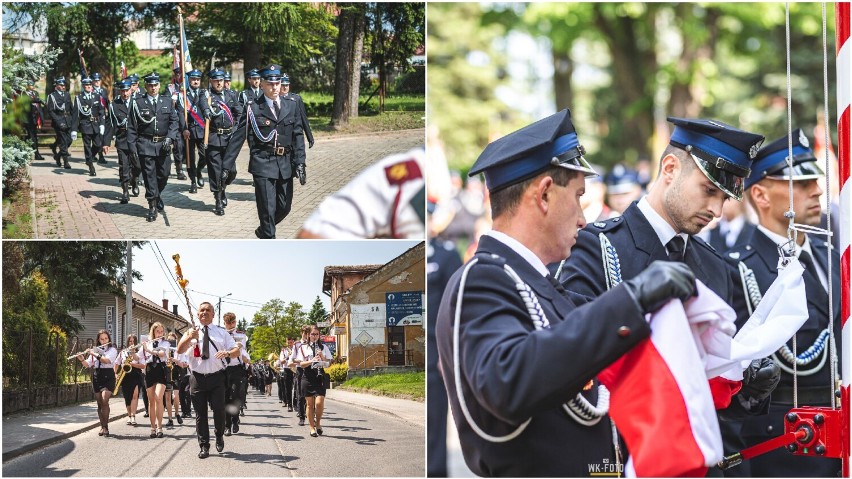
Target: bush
x=412 y=82
x=16 y=156
x=338 y=372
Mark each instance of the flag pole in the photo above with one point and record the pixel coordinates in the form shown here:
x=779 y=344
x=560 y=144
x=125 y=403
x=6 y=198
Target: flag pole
x=183 y=86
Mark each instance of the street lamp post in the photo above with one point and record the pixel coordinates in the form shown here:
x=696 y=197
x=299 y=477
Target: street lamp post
x=219 y=321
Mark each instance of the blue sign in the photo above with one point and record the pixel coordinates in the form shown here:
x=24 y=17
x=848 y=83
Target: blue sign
x=404 y=308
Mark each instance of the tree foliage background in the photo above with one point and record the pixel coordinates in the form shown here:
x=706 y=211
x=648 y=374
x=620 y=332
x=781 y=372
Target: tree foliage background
x=622 y=68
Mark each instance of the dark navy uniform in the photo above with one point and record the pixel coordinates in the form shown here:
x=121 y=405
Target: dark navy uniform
x=128 y=167
x=250 y=94
x=60 y=109
x=719 y=242
x=104 y=99
x=35 y=119
x=151 y=133
x=276 y=141
x=196 y=106
x=442 y=261
x=225 y=112
x=88 y=119
x=178 y=152
x=759 y=259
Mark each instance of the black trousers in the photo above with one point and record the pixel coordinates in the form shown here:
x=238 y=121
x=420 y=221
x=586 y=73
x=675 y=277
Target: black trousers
x=204 y=389
x=215 y=157
x=32 y=135
x=128 y=169
x=288 y=387
x=91 y=146
x=155 y=174
x=234 y=378
x=63 y=141
x=274 y=199
x=183 y=395
x=194 y=168
x=300 y=398
x=143 y=390
x=281 y=387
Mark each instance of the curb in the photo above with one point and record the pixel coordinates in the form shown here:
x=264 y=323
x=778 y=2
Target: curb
x=372 y=408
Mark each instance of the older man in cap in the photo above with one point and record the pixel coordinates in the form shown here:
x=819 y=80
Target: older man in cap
x=504 y=325
x=705 y=164
x=768 y=191
x=116 y=127
x=225 y=112
x=151 y=135
x=88 y=119
x=60 y=108
x=277 y=144
x=252 y=91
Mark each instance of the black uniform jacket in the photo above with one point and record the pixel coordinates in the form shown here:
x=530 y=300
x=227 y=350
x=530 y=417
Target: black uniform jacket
x=60 y=109
x=718 y=243
x=197 y=100
x=303 y=117
x=88 y=123
x=264 y=160
x=140 y=133
x=116 y=125
x=510 y=372
x=219 y=121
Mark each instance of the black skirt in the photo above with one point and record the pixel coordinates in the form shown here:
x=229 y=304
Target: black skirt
x=103 y=379
x=155 y=373
x=312 y=384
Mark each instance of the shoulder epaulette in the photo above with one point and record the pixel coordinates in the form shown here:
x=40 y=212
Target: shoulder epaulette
x=605 y=225
x=701 y=243
x=738 y=254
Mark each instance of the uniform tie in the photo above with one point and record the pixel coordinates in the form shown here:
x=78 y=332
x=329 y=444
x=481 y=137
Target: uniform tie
x=556 y=284
x=205 y=351
x=676 y=248
x=813 y=285
x=277 y=108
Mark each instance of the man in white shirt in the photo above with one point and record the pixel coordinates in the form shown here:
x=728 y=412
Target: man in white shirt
x=207 y=381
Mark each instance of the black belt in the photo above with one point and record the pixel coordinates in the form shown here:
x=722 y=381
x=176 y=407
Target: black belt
x=806 y=395
x=208 y=374
x=224 y=131
x=279 y=151
x=155 y=138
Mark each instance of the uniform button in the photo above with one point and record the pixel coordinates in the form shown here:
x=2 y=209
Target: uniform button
x=623 y=331
x=769 y=428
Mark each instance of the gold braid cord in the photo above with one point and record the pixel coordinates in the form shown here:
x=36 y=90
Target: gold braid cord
x=182 y=283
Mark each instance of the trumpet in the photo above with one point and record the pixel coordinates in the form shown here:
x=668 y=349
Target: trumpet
x=125 y=368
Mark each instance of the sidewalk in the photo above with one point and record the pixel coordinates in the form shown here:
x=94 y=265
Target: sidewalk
x=24 y=433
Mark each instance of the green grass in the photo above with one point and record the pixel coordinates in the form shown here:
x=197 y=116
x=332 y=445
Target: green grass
x=406 y=385
x=17 y=222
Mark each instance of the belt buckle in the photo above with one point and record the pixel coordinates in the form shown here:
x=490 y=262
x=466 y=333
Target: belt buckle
x=280 y=150
x=156 y=139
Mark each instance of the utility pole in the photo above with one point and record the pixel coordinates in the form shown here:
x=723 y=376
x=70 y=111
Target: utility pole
x=219 y=308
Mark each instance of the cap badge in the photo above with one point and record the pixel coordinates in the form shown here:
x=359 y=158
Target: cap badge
x=803 y=140
x=600 y=224
x=752 y=152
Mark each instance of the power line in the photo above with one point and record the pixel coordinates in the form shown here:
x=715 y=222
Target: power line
x=230 y=298
x=172 y=278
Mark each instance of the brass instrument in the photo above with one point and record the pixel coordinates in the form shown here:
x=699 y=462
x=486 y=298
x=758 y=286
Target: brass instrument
x=125 y=368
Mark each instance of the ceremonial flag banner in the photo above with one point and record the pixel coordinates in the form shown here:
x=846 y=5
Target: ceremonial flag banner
x=83 y=69
x=123 y=71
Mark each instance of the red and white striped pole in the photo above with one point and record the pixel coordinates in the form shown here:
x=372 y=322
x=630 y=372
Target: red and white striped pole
x=844 y=97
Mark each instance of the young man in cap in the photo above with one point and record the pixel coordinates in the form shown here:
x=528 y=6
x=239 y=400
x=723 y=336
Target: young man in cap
x=225 y=112
x=60 y=109
x=88 y=119
x=252 y=91
x=151 y=135
x=622 y=188
x=228 y=91
x=116 y=127
x=504 y=324
x=35 y=119
x=104 y=99
x=192 y=129
x=768 y=191
x=277 y=147
x=705 y=164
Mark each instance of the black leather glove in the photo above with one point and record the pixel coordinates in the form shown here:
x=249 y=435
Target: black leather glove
x=168 y=144
x=310 y=143
x=760 y=378
x=660 y=282
x=300 y=172
x=134 y=157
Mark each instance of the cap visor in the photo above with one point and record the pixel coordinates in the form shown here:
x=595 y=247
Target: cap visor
x=726 y=181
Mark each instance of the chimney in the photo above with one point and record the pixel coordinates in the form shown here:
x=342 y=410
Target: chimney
x=165 y=304
x=174 y=309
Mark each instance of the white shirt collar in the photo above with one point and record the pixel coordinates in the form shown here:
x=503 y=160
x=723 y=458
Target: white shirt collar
x=664 y=230
x=519 y=248
x=153 y=99
x=271 y=103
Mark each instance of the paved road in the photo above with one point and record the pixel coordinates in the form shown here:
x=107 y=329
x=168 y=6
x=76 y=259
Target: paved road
x=357 y=441
x=70 y=204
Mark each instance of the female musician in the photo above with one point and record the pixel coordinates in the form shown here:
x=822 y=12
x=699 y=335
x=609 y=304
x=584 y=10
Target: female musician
x=156 y=375
x=178 y=365
x=100 y=359
x=313 y=357
x=130 y=385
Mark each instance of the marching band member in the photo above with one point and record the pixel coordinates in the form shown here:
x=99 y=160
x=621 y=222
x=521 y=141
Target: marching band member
x=285 y=376
x=235 y=376
x=175 y=365
x=297 y=394
x=132 y=383
x=100 y=359
x=157 y=350
x=313 y=357
x=207 y=382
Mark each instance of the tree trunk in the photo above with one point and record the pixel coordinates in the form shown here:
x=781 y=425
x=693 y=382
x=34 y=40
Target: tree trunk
x=358 y=32
x=563 y=68
x=252 y=57
x=342 y=106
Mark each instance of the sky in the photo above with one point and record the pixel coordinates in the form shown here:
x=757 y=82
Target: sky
x=252 y=271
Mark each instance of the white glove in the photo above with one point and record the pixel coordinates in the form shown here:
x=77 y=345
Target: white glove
x=101 y=129
x=73 y=136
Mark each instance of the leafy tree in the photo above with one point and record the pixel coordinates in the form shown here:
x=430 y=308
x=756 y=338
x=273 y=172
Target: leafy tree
x=318 y=312
x=273 y=323
x=396 y=30
x=347 y=71
x=74 y=272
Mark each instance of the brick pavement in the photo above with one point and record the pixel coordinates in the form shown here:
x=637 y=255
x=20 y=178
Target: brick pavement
x=70 y=204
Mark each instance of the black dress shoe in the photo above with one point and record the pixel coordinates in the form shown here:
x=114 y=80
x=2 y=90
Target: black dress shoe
x=224 y=199
x=67 y=165
x=319 y=431
x=257 y=232
x=181 y=176
x=146 y=414
x=170 y=423
x=220 y=444
x=58 y=161
x=301 y=421
x=289 y=409
x=193 y=188
x=227 y=431
x=160 y=205
x=102 y=161
x=92 y=169
x=204 y=453
x=200 y=180
x=134 y=188
x=152 y=216
x=218 y=209
x=179 y=419
x=235 y=427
